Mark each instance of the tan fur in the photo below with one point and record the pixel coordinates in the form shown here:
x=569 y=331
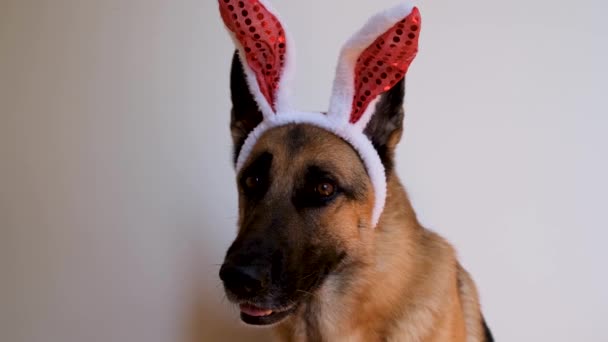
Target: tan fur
x=401 y=282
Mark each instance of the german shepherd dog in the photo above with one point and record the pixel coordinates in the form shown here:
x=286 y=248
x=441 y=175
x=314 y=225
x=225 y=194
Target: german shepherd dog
x=323 y=252
x=305 y=262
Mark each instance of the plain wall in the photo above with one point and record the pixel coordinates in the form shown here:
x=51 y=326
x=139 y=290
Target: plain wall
x=117 y=193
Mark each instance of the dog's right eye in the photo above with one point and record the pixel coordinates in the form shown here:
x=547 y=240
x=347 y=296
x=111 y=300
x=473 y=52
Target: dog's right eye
x=254 y=186
x=251 y=182
x=254 y=180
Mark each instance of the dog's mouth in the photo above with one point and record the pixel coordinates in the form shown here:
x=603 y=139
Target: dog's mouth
x=256 y=315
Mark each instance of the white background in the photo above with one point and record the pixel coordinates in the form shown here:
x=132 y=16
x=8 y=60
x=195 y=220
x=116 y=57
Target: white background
x=117 y=198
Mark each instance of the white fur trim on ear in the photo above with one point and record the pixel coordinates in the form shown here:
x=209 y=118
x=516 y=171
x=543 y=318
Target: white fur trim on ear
x=351 y=134
x=341 y=104
x=283 y=98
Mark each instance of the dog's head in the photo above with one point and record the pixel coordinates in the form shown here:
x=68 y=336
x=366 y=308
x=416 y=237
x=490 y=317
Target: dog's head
x=306 y=198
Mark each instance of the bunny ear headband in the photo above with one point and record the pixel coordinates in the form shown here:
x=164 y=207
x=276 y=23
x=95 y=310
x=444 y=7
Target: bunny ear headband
x=371 y=63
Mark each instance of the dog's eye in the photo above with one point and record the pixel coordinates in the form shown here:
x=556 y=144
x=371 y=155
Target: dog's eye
x=316 y=193
x=325 y=189
x=252 y=182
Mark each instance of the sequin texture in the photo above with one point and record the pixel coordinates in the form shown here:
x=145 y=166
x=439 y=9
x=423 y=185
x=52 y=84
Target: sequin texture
x=385 y=62
x=263 y=40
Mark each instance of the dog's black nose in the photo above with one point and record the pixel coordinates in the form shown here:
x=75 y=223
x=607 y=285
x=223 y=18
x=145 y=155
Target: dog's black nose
x=244 y=280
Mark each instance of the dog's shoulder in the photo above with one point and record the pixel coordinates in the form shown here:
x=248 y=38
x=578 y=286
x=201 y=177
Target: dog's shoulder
x=469 y=297
x=441 y=300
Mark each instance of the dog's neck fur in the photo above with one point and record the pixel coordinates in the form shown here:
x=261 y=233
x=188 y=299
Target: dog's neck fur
x=415 y=293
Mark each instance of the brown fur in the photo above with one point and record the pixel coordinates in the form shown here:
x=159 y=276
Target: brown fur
x=314 y=262
x=399 y=281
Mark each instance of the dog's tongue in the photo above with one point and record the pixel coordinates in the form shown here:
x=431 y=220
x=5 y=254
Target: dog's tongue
x=254 y=311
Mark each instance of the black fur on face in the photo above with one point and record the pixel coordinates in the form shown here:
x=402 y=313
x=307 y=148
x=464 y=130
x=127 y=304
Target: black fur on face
x=283 y=253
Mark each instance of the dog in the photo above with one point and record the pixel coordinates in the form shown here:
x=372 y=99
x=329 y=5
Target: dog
x=308 y=262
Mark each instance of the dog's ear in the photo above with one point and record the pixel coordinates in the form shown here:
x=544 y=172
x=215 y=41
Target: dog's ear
x=386 y=124
x=246 y=114
x=260 y=69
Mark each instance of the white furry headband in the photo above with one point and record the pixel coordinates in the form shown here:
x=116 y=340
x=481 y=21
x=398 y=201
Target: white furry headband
x=371 y=63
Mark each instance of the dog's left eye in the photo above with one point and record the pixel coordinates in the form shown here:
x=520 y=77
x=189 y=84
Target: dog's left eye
x=316 y=193
x=325 y=189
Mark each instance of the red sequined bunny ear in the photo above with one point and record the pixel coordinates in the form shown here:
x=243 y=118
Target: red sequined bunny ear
x=385 y=62
x=263 y=42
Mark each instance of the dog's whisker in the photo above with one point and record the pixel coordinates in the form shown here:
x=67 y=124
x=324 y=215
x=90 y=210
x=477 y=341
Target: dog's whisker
x=308 y=276
x=306 y=292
